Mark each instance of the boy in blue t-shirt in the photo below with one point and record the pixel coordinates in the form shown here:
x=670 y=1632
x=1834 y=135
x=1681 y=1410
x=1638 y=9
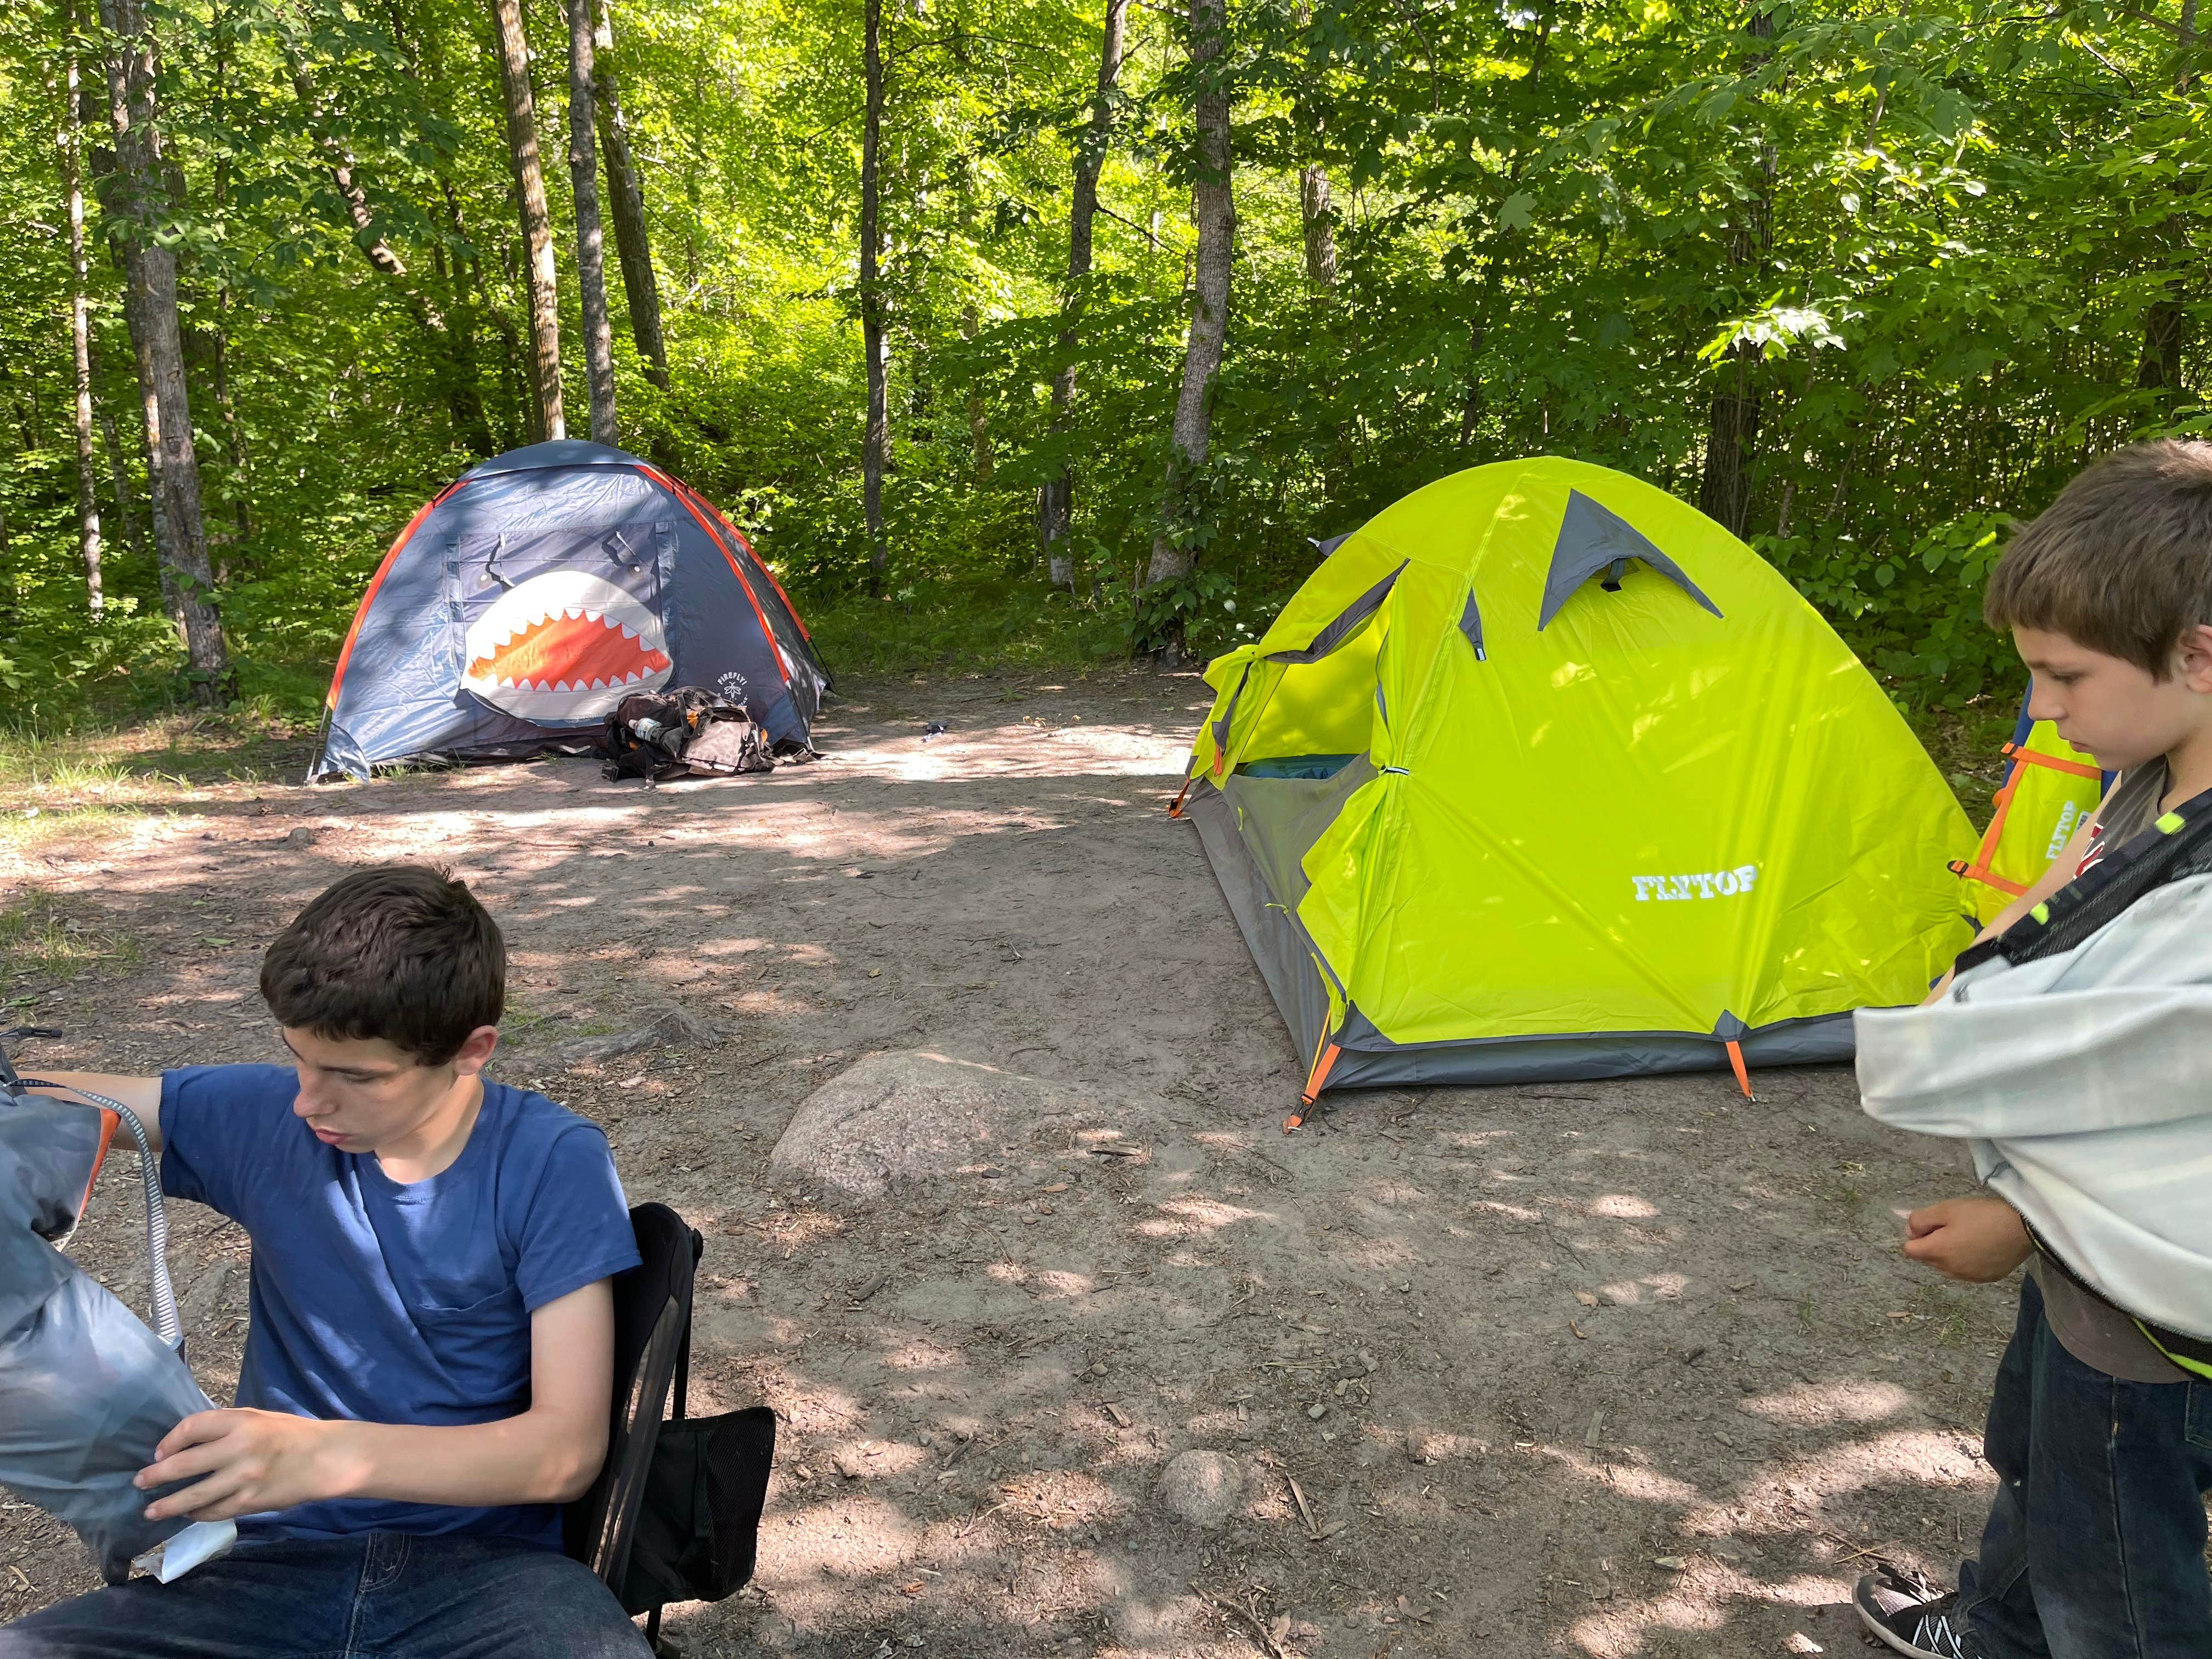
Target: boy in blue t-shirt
x=428 y=1365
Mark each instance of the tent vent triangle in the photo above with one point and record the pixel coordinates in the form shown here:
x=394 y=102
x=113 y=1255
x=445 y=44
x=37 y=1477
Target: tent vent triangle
x=1592 y=537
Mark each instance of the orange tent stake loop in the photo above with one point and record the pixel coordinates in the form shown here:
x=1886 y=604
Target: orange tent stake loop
x=1743 y=1075
x=1315 y=1084
x=1175 y=811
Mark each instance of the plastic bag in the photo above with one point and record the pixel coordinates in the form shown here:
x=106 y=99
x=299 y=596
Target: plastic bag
x=86 y=1391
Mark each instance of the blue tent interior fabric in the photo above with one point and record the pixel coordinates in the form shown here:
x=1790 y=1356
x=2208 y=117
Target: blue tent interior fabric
x=537 y=590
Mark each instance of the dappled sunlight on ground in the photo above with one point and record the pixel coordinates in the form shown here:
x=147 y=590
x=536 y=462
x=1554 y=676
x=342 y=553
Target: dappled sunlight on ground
x=1608 y=1370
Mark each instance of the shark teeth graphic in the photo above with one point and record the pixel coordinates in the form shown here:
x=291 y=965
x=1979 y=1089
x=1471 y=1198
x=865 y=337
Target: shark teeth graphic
x=565 y=646
x=576 y=649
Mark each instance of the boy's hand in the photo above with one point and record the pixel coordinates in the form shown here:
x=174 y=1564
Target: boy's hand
x=253 y=1461
x=1974 y=1239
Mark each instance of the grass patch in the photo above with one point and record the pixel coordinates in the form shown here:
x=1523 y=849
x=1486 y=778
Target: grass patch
x=1946 y=1310
x=1004 y=626
x=151 y=759
x=47 y=936
x=34 y=826
x=1840 y=1190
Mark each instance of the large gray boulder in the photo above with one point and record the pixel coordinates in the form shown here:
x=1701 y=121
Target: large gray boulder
x=916 y=1116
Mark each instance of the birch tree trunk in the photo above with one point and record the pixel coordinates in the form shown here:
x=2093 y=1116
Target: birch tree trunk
x=88 y=466
x=1174 y=547
x=1056 y=511
x=140 y=192
x=875 y=443
x=626 y=204
x=591 y=247
x=546 y=420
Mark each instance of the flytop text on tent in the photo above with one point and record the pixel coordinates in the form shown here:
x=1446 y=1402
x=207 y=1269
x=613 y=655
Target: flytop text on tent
x=1711 y=883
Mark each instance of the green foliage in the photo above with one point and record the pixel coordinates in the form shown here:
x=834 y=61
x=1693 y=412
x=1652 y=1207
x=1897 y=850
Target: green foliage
x=1948 y=250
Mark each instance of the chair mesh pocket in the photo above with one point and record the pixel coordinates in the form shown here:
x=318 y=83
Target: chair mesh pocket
x=699 y=1522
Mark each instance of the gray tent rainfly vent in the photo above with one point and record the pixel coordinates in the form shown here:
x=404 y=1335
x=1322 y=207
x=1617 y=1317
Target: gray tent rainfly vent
x=1347 y=623
x=1593 y=538
x=1470 y=623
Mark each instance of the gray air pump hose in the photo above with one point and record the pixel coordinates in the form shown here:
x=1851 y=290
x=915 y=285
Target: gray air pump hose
x=167 y=1326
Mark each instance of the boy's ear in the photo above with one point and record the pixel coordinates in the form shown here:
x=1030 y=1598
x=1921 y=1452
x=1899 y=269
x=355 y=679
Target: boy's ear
x=476 y=1050
x=2195 y=657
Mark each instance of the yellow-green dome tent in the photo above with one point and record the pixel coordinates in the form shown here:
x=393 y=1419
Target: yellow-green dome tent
x=1543 y=774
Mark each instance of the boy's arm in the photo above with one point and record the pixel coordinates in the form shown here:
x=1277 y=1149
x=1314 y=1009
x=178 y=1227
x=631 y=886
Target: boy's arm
x=1979 y=1240
x=142 y=1095
x=250 y=1461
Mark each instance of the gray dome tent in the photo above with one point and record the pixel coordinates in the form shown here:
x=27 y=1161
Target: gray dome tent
x=540 y=589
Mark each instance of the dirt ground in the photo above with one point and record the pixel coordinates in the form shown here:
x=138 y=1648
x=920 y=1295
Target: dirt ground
x=1603 y=1369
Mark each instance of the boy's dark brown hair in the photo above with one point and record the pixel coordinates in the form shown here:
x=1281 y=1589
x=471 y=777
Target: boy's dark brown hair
x=400 y=951
x=2122 y=560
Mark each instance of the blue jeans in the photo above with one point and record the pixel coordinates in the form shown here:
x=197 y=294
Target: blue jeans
x=381 y=1595
x=2094 y=1548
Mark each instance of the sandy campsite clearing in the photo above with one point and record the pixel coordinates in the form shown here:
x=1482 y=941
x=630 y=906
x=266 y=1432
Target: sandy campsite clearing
x=1076 y=1353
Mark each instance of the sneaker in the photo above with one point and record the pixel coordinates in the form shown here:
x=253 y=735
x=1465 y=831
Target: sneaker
x=1908 y=1616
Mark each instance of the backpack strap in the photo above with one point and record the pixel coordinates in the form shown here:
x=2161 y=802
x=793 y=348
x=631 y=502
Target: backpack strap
x=2178 y=844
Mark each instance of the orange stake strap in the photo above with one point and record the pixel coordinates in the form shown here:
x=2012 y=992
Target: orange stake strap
x=1742 y=1076
x=1314 y=1085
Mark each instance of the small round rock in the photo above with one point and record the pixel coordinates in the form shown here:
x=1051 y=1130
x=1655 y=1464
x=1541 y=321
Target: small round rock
x=1202 y=1487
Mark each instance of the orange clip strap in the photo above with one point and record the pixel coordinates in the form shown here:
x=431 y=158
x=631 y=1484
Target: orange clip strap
x=1319 y=1079
x=2072 y=769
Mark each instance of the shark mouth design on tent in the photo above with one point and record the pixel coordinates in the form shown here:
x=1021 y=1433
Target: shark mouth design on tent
x=565 y=646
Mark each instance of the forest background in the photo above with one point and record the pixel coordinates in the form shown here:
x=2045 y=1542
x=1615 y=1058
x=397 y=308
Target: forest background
x=1041 y=331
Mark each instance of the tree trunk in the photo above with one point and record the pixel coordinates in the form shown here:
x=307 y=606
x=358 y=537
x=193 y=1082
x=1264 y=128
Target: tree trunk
x=119 y=472
x=1313 y=178
x=1056 y=509
x=875 y=442
x=454 y=338
x=1724 y=487
x=2158 y=367
x=1321 y=228
x=979 y=419
x=1174 y=547
x=88 y=471
x=1732 y=431
x=1470 y=412
x=626 y=202
x=591 y=246
x=210 y=346
x=545 y=360
x=240 y=486
x=140 y=193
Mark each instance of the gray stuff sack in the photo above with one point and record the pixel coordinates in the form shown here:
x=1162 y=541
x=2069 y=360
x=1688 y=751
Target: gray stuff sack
x=86 y=1391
